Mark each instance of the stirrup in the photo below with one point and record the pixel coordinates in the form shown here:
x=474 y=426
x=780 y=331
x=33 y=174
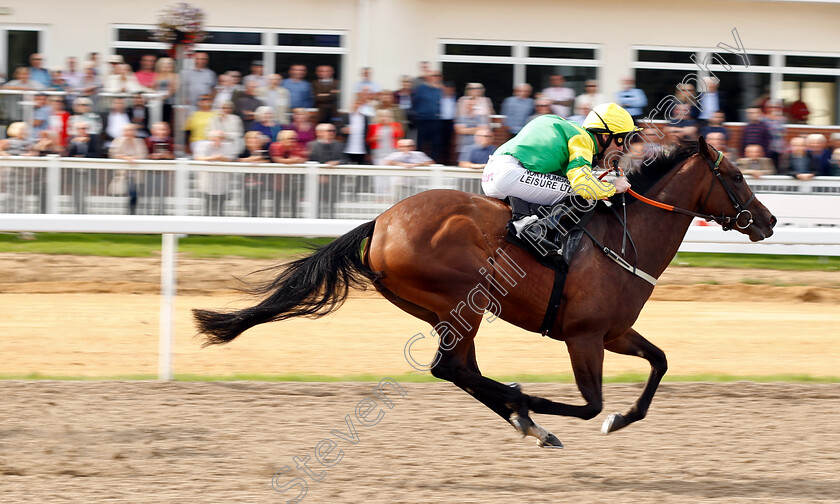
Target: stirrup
x=522 y=224
x=542 y=244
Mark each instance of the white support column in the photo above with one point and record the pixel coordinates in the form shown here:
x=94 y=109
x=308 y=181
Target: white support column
x=181 y=189
x=155 y=108
x=777 y=61
x=436 y=177
x=53 y=189
x=169 y=249
x=27 y=104
x=520 y=52
x=310 y=191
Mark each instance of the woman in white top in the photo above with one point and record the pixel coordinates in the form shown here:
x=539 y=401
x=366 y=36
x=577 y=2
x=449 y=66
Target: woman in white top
x=481 y=105
x=123 y=81
x=230 y=124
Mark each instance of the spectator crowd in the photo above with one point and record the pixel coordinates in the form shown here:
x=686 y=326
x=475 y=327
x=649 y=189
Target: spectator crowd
x=258 y=118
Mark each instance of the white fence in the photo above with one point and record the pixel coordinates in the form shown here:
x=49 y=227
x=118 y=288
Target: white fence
x=184 y=187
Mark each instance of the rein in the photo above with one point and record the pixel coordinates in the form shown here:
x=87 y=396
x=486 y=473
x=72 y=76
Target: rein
x=726 y=222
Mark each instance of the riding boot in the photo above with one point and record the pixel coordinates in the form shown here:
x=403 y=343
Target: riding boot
x=521 y=215
x=548 y=233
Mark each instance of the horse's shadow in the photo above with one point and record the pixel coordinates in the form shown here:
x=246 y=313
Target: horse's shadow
x=713 y=485
x=717 y=485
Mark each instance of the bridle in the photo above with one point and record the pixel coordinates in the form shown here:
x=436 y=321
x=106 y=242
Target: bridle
x=725 y=221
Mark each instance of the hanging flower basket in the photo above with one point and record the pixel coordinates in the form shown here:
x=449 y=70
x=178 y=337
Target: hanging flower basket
x=180 y=24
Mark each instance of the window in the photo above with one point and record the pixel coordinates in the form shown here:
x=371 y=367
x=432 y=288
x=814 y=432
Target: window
x=308 y=40
x=477 y=50
x=813 y=78
x=497 y=79
x=235 y=49
x=233 y=38
x=659 y=71
x=16 y=44
x=501 y=65
x=282 y=62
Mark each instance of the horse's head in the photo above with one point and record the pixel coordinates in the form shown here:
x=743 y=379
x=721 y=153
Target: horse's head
x=730 y=200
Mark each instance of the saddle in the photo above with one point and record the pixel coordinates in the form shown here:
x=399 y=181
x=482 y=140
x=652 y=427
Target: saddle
x=566 y=231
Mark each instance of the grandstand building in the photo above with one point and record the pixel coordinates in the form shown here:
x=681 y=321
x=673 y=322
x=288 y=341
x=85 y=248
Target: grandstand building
x=792 y=47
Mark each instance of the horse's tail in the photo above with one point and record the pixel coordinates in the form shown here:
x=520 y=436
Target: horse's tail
x=312 y=286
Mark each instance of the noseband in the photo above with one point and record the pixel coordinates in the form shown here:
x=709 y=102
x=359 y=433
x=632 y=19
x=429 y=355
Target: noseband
x=725 y=221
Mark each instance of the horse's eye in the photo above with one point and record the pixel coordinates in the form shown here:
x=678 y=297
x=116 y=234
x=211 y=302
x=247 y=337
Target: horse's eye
x=738 y=178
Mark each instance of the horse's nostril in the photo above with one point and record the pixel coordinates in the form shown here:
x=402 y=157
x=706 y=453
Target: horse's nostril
x=772 y=221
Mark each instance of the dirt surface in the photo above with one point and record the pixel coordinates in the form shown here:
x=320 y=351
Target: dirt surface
x=83 y=316
x=66 y=273
x=132 y=442
x=224 y=442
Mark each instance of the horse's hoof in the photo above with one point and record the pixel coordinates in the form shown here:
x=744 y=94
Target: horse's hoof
x=612 y=423
x=550 y=441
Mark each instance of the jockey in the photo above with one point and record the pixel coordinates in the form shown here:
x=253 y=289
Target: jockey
x=552 y=158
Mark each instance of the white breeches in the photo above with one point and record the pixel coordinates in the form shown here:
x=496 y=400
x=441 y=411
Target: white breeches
x=504 y=176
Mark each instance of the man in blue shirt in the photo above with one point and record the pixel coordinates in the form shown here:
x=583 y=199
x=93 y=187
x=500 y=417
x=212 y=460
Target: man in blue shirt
x=425 y=103
x=632 y=98
x=518 y=108
x=447 y=121
x=37 y=72
x=40 y=116
x=709 y=100
x=199 y=80
x=300 y=90
x=476 y=155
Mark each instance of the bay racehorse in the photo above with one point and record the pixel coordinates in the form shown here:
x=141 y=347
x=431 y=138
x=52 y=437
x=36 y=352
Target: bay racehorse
x=427 y=254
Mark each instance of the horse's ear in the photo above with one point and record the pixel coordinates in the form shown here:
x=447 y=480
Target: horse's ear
x=704 y=148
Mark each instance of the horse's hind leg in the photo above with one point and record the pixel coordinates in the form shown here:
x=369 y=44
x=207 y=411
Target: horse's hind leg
x=632 y=343
x=458 y=365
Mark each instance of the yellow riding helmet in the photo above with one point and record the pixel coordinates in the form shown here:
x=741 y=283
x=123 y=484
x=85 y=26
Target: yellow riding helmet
x=609 y=118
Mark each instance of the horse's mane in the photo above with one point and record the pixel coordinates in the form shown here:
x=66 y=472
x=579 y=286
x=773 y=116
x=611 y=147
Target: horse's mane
x=644 y=176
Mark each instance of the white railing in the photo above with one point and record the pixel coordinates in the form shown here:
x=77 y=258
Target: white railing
x=184 y=187
x=18 y=105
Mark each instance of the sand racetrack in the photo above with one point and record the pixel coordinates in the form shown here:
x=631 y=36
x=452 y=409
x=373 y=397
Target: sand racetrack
x=98 y=316
x=149 y=442
x=143 y=442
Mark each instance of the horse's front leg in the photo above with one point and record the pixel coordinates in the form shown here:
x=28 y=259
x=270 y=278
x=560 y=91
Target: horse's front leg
x=587 y=355
x=632 y=343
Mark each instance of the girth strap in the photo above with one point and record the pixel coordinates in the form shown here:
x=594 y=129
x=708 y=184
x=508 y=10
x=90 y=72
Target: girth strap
x=554 y=301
